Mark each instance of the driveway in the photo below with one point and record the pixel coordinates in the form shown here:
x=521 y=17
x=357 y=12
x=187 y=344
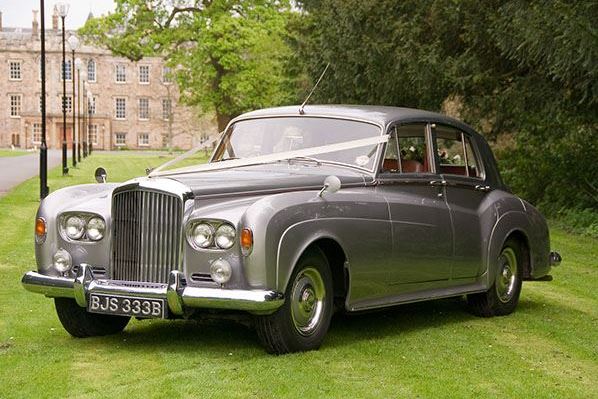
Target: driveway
x=15 y=170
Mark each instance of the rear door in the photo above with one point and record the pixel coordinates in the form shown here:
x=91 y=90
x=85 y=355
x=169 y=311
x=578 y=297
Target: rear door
x=421 y=223
x=458 y=162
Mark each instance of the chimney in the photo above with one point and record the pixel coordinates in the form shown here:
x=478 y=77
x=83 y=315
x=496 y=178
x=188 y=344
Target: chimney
x=55 y=19
x=0 y=21
x=34 y=25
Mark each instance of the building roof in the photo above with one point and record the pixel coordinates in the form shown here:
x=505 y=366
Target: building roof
x=381 y=115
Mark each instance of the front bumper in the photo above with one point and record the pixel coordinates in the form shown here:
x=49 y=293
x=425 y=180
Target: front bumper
x=177 y=294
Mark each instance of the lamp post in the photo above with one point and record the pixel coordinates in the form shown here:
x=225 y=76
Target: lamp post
x=63 y=10
x=78 y=66
x=73 y=44
x=43 y=154
x=89 y=100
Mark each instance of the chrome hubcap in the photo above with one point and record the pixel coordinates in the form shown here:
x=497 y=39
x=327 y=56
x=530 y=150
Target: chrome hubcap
x=307 y=301
x=506 y=277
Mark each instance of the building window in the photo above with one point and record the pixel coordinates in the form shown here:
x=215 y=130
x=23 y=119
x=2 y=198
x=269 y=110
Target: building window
x=14 y=68
x=91 y=71
x=166 y=75
x=166 y=108
x=144 y=108
x=68 y=103
x=92 y=134
x=15 y=105
x=91 y=105
x=37 y=133
x=68 y=70
x=121 y=73
x=120 y=138
x=144 y=74
x=120 y=108
x=143 y=139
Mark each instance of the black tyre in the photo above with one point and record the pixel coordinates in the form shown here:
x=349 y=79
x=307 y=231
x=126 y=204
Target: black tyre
x=502 y=298
x=81 y=324
x=302 y=322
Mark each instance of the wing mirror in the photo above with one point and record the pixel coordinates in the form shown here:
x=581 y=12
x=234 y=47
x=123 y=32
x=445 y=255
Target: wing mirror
x=331 y=185
x=101 y=175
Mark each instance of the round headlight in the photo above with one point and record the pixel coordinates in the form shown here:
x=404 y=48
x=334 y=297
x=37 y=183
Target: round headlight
x=74 y=227
x=225 y=236
x=203 y=235
x=95 y=229
x=62 y=260
x=221 y=271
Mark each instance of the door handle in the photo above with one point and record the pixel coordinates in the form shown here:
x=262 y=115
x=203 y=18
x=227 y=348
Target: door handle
x=438 y=183
x=483 y=188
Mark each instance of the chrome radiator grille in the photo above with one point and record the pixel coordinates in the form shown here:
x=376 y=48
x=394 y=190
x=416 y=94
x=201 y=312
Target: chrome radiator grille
x=146 y=235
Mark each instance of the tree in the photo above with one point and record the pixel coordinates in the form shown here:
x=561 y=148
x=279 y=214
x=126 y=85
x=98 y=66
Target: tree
x=524 y=73
x=228 y=56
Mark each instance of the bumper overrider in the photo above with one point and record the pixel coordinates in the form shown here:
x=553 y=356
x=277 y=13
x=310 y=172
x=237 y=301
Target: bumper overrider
x=177 y=294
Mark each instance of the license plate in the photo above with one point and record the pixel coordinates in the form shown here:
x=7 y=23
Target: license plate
x=127 y=306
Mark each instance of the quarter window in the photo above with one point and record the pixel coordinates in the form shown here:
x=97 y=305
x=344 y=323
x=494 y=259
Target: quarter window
x=14 y=70
x=121 y=73
x=120 y=138
x=15 y=105
x=144 y=74
x=120 y=108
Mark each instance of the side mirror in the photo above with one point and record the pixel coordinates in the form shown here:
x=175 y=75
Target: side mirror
x=101 y=175
x=331 y=185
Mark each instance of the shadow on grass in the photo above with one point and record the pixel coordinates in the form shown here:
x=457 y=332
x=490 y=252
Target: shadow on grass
x=218 y=337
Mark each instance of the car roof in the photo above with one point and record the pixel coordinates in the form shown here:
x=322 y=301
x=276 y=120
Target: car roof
x=380 y=115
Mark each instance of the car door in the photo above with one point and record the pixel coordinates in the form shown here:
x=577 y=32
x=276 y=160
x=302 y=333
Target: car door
x=458 y=162
x=421 y=224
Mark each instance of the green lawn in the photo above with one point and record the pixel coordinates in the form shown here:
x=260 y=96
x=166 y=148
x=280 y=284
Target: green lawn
x=5 y=152
x=547 y=348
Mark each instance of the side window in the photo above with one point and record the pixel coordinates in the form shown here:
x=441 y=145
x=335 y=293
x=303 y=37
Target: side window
x=406 y=150
x=454 y=153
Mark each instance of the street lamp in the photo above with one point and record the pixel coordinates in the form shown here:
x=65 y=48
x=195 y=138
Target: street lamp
x=78 y=66
x=74 y=45
x=43 y=154
x=63 y=9
x=89 y=101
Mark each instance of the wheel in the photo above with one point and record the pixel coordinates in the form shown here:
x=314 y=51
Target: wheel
x=301 y=323
x=502 y=298
x=81 y=324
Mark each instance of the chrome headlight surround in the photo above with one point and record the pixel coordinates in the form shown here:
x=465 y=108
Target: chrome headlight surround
x=221 y=233
x=91 y=227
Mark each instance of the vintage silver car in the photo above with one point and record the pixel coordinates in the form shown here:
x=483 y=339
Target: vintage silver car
x=297 y=214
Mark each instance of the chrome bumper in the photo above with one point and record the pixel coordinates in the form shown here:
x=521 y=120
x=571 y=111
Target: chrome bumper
x=177 y=294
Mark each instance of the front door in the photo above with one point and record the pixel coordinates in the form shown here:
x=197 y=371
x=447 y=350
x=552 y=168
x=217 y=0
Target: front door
x=421 y=221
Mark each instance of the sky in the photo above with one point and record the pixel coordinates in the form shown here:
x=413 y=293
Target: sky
x=18 y=13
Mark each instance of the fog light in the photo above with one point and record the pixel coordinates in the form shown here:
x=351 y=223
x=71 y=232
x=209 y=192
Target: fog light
x=221 y=271
x=62 y=261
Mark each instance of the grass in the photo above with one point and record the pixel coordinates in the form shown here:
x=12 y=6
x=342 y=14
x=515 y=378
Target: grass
x=13 y=153
x=547 y=348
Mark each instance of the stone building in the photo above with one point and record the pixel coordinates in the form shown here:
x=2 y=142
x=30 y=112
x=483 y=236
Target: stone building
x=131 y=104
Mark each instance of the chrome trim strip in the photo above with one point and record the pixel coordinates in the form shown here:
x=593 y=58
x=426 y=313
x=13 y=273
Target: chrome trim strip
x=177 y=294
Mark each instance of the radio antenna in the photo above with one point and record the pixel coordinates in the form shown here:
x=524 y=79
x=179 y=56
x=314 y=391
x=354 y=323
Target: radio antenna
x=301 y=111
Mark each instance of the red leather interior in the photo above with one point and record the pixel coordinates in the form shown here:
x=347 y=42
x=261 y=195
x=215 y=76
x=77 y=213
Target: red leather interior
x=408 y=166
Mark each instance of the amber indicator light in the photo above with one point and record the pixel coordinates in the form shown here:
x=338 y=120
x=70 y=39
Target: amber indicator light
x=40 y=227
x=246 y=239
